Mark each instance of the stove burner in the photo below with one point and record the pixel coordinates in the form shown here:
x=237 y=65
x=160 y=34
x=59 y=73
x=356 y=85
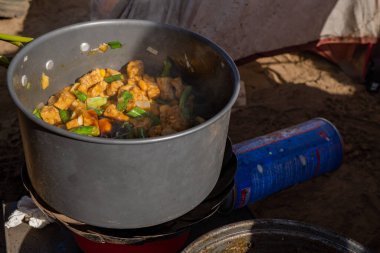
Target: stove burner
x=203 y=211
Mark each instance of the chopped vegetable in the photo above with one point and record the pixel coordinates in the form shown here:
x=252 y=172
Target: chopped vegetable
x=65 y=115
x=86 y=130
x=105 y=126
x=114 y=104
x=113 y=78
x=37 y=112
x=80 y=95
x=123 y=100
x=96 y=102
x=44 y=81
x=136 y=112
x=98 y=111
x=183 y=102
x=114 y=44
x=167 y=68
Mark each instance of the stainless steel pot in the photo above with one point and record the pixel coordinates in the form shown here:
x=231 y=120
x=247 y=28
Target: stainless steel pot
x=273 y=235
x=123 y=183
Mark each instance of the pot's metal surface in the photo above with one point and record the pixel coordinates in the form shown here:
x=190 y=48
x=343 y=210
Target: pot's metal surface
x=123 y=183
x=273 y=235
x=200 y=213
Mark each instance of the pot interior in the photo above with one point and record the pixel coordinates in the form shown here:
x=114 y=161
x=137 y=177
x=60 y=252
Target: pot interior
x=63 y=55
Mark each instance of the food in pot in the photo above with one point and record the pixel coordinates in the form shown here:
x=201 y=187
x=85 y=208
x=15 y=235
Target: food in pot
x=44 y=81
x=108 y=103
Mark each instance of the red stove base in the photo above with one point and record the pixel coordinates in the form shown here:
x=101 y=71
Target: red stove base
x=172 y=244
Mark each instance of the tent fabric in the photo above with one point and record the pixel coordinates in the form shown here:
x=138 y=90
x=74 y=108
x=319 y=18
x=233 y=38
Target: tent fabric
x=248 y=27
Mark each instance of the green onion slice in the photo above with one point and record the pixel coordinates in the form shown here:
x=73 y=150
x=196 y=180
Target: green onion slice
x=86 y=130
x=65 y=115
x=123 y=100
x=98 y=111
x=136 y=112
x=96 y=102
x=113 y=78
x=114 y=44
x=80 y=95
x=36 y=112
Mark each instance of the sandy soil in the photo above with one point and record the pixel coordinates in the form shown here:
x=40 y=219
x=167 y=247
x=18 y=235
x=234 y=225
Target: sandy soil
x=281 y=91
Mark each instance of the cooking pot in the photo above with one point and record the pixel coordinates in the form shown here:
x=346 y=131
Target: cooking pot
x=123 y=183
x=273 y=235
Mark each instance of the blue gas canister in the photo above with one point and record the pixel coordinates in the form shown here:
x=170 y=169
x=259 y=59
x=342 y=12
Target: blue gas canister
x=276 y=161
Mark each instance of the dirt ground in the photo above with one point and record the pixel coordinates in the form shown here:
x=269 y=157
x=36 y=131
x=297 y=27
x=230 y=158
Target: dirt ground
x=281 y=91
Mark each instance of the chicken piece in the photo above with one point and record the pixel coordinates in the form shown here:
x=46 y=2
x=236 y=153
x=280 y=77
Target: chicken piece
x=113 y=87
x=143 y=85
x=155 y=131
x=113 y=113
x=178 y=86
x=112 y=72
x=166 y=89
x=82 y=88
x=153 y=91
x=65 y=99
x=98 y=89
x=171 y=115
x=132 y=82
x=149 y=85
x=90 y=118
x=127 y=87
x=143 y=122
x=77 y=122
x=77 y=107
x=91 y=78
x=145 y=82
x=135 y=69
x=74 y=87
x=50 y=115
x=138 y=94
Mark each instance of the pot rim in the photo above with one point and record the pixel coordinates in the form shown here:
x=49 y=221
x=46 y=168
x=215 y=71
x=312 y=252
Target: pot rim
x=20 y=55
x=277 y=227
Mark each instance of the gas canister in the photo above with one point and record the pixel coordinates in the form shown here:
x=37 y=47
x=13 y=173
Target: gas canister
x=273 y=162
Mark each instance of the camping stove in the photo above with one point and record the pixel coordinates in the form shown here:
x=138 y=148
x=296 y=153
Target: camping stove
x=251 y=170
x=167 y=237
